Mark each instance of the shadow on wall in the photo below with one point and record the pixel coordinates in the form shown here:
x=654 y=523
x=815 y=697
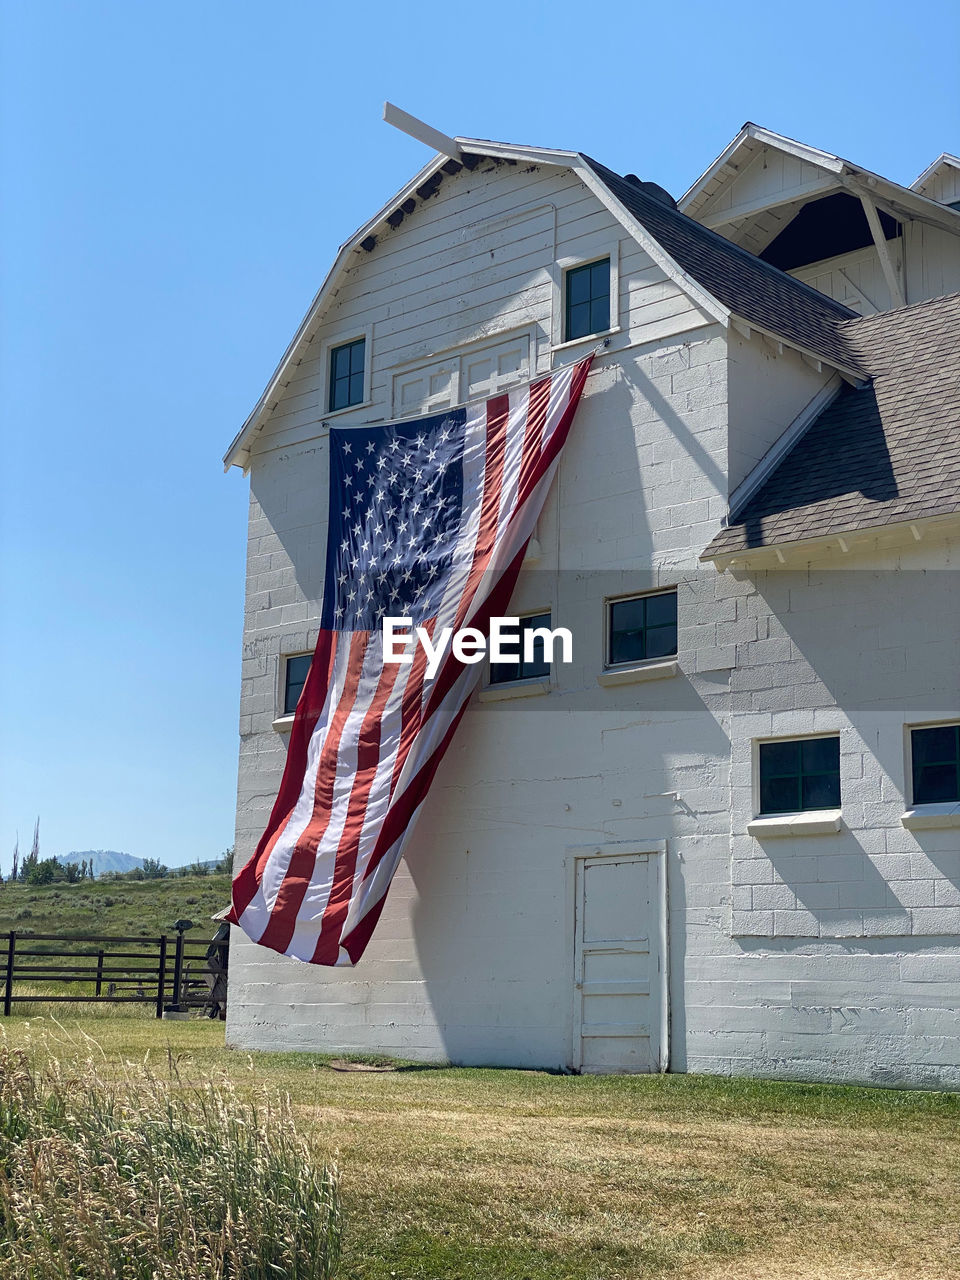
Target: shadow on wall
x=846 y=442
x=493 y=924
x=880 y=646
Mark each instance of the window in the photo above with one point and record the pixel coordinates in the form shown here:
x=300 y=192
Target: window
x=521 y=668
x=800 y=774
x=642 y=628
x=346 y=375
x=936 y=764
x=587 y=300
x=294 y=678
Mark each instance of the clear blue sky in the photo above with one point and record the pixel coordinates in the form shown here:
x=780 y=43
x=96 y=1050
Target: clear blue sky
x=177 y=179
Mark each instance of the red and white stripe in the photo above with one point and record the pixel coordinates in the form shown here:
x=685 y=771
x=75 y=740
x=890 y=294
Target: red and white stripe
x=368 y=737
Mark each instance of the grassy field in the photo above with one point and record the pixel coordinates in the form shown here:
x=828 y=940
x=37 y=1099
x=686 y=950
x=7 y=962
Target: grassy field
x=506 y=1175
x=125 y=907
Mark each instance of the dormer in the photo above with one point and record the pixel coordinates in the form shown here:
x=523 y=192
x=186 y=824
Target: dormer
x=858 y=237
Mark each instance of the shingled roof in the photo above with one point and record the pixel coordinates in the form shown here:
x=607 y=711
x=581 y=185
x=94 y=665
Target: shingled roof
x=883 y=454
x=752 y=289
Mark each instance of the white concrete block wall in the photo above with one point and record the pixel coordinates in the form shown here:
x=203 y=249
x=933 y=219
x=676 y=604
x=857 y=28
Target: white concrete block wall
x=472 y=960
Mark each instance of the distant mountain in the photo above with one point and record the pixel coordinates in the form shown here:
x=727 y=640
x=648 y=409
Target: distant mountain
x=103 y=860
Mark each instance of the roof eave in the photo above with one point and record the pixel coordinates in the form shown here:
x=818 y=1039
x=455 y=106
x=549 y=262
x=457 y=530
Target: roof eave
x=943 y=160
x=800 y=149
x=784 y=552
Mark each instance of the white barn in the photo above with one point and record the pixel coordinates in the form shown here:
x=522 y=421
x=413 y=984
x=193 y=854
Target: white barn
x=726 y=838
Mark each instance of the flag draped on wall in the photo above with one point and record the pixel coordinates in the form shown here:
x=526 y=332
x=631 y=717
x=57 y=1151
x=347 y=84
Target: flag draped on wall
x=429 y=519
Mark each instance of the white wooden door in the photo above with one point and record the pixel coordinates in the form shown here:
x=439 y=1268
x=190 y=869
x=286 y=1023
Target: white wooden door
x=620 y=959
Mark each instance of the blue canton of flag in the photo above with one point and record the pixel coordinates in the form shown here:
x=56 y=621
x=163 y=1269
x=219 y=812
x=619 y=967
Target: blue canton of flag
x=395 y=496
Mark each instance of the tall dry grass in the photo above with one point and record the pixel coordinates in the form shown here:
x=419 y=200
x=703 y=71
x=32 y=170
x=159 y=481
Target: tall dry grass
x=150 y=1177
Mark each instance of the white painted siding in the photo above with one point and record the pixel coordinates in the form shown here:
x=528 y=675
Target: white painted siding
x=769 y=179
x=767 y=390
x=932 y=259
x=944 y=186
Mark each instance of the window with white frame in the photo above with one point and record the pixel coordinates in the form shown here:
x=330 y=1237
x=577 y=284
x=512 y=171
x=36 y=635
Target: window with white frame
x=641 y=628
x=798 y=774
x=531 y=661
x=346 y=375
x=296 y=667
x=586 y=308
x=935 y=763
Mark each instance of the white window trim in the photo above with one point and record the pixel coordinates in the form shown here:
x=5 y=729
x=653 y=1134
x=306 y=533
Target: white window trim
x=283 y=721
x=528 y=687
x=932 y=816
x=327 y=346
x=803 y=822
x=558 y=274
x=814 y=822
x=655 y=669
x=616 y=673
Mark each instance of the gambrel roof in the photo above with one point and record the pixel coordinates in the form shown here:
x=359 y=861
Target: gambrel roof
x=883 y=454
x=726 y=282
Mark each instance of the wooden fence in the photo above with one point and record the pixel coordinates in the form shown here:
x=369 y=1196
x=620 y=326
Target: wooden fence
x=154 y=971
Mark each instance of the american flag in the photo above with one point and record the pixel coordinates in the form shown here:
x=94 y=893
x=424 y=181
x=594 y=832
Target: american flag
x=429 y=519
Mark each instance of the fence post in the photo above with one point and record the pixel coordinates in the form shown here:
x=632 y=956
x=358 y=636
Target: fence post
x=99 y=972
x=162 y=975
x=8 y=987
x=177 y=969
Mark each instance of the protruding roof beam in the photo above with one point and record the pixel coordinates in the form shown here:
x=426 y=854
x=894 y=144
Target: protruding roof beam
x=425 y=133
x=897 y=298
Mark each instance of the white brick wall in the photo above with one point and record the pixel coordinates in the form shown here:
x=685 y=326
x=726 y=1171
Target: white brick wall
x=818 y=957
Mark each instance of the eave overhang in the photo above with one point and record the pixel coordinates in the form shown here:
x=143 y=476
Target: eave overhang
x=902 y=203
x=837 y=543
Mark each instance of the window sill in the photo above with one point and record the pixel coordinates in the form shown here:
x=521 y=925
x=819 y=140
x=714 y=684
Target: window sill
x=821 y=822
x=587 y=337
x=350 y=408
x=928 y=817
x=283 y=724
x=514 y=689
x=636 y=675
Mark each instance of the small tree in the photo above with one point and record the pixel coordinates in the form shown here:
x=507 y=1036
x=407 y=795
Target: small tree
x=154 y=869
x=14 y=874
x=44 y=872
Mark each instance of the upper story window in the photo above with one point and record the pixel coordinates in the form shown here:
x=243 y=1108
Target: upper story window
x=295 y=672
x=346 y=375
x=642 y=628
x=532 y=659
x=935 y=753
x=798 y=774
x=587 y=305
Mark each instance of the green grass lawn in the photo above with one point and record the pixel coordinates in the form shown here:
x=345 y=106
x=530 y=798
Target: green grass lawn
x=467 y=1174
x=119 y=907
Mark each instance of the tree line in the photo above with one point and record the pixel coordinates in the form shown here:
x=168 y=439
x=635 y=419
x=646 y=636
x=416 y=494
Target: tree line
x=34 y=870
